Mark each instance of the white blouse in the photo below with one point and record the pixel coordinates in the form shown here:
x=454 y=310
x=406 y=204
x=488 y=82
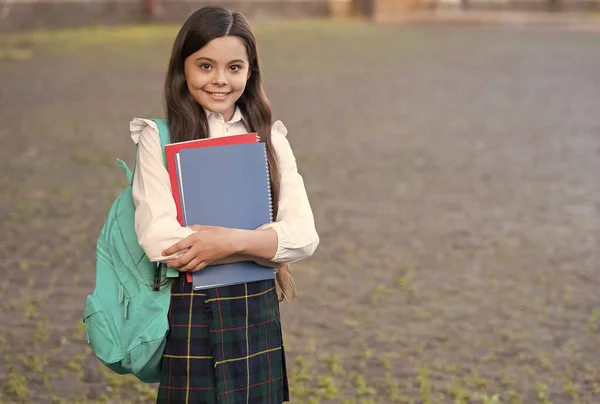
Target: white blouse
x=156 y=222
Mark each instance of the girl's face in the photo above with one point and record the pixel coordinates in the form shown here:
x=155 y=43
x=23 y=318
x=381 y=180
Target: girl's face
x=217 y=73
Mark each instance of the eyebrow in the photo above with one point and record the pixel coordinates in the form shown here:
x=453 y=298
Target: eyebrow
x=212 y=61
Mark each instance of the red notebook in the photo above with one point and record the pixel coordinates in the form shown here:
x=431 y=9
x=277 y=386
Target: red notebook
x=172 y=149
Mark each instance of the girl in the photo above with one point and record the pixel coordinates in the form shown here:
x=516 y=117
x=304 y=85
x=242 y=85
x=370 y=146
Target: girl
x=225 y=344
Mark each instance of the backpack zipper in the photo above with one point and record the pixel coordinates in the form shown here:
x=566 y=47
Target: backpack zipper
x=103 y=254
x=126 y=308
x=124 y=300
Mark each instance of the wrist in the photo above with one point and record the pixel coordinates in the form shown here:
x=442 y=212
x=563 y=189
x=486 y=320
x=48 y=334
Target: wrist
x=260 y=243
x=239 y=241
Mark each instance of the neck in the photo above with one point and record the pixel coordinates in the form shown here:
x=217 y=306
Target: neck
x=227 y=115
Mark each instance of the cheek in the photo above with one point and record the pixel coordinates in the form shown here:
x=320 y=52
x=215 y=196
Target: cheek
x=239 y=83
x=192 y=82
x=195 y=80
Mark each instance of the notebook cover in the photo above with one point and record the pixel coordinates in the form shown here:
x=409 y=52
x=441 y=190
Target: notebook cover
x=173 y=148
x=226 y=186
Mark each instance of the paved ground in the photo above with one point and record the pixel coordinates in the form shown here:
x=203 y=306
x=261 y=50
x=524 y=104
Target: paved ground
x=453 y=173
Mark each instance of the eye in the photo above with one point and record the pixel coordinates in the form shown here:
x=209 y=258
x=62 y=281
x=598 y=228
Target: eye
x=235 y=68
x=205 y=66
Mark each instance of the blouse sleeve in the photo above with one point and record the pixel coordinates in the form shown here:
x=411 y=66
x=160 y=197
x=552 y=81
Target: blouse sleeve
x=294 y=224
x=156 y=222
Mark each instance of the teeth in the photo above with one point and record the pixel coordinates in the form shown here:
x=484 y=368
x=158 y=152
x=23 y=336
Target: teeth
x=220 y=94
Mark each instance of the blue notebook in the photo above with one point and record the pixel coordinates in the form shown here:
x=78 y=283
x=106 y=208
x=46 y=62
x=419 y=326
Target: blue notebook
x=226 y=186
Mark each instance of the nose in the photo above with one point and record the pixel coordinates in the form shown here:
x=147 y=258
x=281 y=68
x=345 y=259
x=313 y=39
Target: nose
x=220 y=78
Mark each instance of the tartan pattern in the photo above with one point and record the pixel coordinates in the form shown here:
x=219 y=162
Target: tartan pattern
x=224 y=346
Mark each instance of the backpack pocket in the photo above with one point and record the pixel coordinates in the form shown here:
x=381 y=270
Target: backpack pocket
x=147 y=347
x=99 y=334
x=146 y=360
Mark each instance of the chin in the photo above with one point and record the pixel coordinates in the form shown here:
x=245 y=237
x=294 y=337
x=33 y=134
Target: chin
x=218 y=107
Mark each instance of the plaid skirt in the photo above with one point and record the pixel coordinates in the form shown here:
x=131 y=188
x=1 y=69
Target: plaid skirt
x=224 y=346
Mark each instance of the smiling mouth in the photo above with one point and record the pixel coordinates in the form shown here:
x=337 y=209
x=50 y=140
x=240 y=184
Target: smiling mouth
x=218 y=95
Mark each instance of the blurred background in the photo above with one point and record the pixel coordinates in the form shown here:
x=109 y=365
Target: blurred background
x=451 y=152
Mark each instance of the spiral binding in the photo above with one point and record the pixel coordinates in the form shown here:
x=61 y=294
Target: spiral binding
x=269 y=186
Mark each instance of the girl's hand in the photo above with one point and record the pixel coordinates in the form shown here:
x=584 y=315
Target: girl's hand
x=208 y=244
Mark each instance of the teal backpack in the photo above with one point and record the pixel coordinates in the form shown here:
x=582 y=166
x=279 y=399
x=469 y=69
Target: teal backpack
x=125 y=317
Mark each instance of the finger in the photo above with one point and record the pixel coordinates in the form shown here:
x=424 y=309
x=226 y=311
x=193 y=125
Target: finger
x=182 y=260
x=182 y=245
x=200 y=266
x=174 y=264
x=191 y=265
x=196 y=227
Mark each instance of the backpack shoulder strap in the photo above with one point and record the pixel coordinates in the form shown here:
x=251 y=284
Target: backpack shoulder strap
x=165 y=139
x=163 y=133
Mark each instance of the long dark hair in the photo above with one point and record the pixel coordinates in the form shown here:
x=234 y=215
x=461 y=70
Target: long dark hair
x=187 y=119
